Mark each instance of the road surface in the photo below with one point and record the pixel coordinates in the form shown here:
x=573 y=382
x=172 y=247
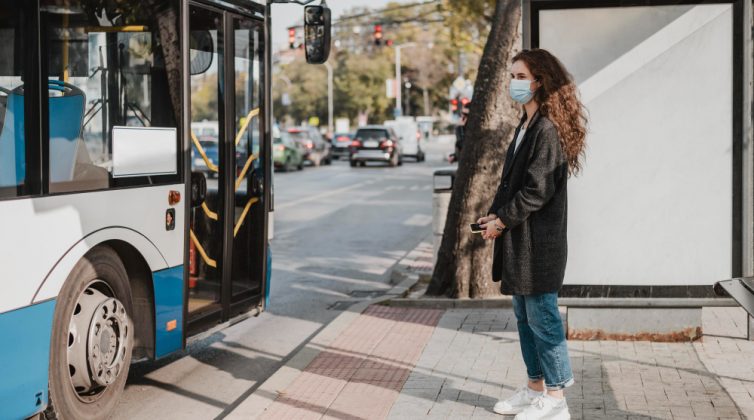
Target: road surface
x=337 y=232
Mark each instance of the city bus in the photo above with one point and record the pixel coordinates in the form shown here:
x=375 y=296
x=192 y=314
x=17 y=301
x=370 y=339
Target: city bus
x=115 y=246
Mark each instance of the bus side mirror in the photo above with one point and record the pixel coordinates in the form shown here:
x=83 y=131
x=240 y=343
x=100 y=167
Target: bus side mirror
x=201 y=51
x=317 y=25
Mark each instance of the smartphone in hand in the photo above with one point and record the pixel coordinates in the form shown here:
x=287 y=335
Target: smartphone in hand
x=476 y=228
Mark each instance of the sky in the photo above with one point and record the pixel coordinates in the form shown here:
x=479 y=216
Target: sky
x=285 y=15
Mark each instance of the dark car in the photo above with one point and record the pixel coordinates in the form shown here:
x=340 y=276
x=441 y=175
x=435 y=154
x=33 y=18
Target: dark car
x=375 y=143
x=317 y=150
x=341 y=144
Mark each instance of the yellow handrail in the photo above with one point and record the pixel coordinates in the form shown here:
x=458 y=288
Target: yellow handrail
x=212 y=167
x=211 y=214
x=253 y=113
x=109 y=29
x=207 y=260
x=243 y=215
x=244 y=170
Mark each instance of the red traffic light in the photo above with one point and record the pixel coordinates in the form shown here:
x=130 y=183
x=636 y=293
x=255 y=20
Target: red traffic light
x=377 y=34
x=454 y=104
x=292 y=38
x=389 y=42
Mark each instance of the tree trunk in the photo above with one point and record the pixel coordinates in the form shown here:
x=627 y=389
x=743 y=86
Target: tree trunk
x=464 y=261
x=425 y=94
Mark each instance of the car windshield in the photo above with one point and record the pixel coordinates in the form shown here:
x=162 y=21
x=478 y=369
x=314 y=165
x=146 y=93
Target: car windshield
x=371 y=134
x=208 y=143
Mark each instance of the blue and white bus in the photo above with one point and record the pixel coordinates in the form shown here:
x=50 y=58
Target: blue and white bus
x=115 y=244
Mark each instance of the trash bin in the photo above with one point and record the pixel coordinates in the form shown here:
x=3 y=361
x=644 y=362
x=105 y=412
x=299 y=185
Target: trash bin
x=443 y=185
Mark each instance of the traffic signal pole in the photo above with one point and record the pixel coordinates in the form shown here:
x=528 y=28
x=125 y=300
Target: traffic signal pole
x=329 y=98
x=398 y=78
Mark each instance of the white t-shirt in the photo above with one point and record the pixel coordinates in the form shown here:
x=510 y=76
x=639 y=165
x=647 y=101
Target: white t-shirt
x=519 y=138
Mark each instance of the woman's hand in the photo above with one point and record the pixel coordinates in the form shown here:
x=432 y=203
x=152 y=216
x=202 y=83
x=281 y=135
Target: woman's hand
x=493 y=228
x=484 y=220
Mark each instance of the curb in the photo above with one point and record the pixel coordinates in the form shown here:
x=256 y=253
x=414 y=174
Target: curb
x=506 y=302
x=255 y=405
x=447 y=303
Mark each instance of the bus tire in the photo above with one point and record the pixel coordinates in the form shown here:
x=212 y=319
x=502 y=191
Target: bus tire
x=96 y=290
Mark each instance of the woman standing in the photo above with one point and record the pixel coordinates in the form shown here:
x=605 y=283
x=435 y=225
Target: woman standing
x=528 y=219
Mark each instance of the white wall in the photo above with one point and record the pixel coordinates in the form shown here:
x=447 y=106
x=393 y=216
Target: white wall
x=653 y=205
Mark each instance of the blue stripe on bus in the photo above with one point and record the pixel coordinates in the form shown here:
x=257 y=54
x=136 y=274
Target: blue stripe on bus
x=25 y=355
x=268 y=278
x=168 y=302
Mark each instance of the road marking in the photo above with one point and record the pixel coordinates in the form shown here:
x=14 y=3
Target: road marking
x=320 y=196
x=418 y=220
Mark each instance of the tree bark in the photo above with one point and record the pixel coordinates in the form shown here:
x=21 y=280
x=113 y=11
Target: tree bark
x=463 y=268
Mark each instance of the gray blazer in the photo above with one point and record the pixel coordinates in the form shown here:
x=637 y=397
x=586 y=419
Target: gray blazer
x=530 y=255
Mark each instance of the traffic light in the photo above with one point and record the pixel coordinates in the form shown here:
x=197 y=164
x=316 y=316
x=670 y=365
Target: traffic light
x=378 y=35
x=292 y=38
x=454 y=105
x=389 y=42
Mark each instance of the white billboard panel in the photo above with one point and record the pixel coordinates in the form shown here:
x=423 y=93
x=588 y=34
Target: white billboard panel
x=653 y=205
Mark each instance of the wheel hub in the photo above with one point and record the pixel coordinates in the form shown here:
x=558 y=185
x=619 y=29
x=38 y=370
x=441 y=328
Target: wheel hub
x=97 y=341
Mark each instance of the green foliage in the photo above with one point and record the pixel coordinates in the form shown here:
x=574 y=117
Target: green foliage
x=360 y=87
x=204 y=98
x=449 y=36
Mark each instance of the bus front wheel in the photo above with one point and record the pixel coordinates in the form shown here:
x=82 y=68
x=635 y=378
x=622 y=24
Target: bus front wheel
x=92 y=338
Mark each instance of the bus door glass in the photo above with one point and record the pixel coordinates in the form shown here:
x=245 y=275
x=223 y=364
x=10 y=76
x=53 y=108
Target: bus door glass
x=206 y=43
x=227 y=249
x=248 y=232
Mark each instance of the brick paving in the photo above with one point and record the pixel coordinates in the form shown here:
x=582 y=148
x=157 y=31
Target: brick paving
x=361 y=373
x=408 y=363
x=473 y=359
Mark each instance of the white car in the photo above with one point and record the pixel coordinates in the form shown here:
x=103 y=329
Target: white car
x=409 y=136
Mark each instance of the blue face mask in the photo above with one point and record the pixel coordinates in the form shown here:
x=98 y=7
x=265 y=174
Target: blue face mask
x=520 y=91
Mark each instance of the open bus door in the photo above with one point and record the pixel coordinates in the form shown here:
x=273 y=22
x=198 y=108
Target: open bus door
x=230 y=145
x=227 y=258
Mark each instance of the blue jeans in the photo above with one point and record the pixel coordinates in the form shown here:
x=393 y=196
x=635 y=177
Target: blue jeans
x=543 y=342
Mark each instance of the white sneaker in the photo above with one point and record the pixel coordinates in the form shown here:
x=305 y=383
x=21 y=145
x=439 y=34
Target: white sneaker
x=545 y=407
x=517 y=402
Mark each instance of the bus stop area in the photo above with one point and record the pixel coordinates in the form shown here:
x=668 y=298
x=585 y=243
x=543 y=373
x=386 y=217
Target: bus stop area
x=379 y=360
x=186 y=238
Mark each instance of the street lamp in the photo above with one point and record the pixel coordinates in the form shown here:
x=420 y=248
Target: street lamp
x=285 y=99
x=398 y=107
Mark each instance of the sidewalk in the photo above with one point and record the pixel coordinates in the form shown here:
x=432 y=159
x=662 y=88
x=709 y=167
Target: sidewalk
x=382 y=362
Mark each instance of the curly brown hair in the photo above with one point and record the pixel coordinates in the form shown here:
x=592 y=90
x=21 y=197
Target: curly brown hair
x=558 y=99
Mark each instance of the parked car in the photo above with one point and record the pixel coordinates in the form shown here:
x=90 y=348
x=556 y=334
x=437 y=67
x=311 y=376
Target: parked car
x=341 y=144
x=286 y=153
x=211 y=149
x=207 y=132
x=376 y=143
x=409 y=136
x=317 y=149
